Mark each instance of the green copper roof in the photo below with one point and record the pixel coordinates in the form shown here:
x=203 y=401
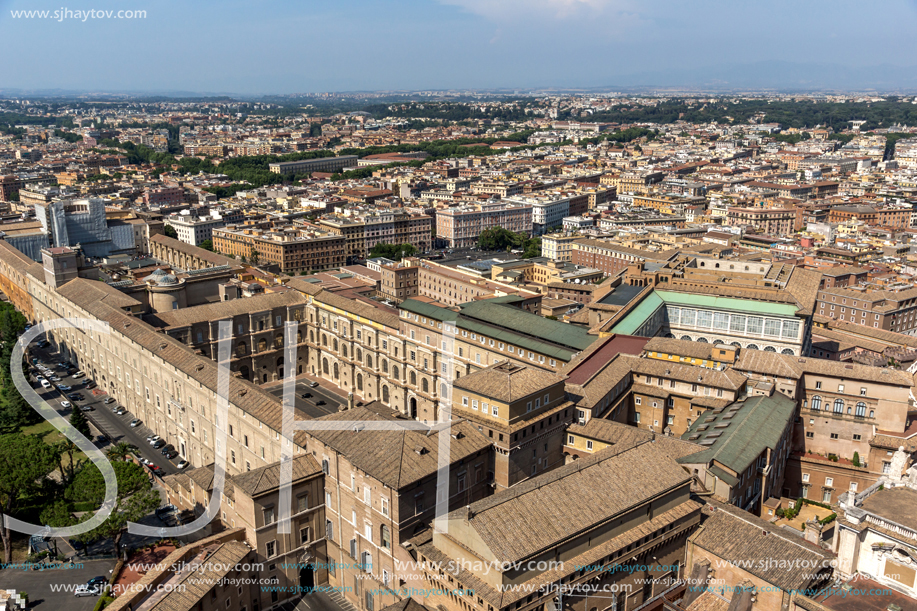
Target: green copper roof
x=740 y=431
x=727 y=303
x=639 y=315
x=511 y=325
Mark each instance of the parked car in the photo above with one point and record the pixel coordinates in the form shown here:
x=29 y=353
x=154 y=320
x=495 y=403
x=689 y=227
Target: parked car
x=89 y=384
x=170 y=454
x=156 y=470
x=320 y=403
x=167 y=448
x=99 y=581
x=75 y=396
x=158 y=444
x=136 y=422
x=153 y=439
x=78 y=374
x=183 y=464
x=121 y=411
x=165 y=510
x=85 y=590
x=108 y=400
x=66 y=404
x=87 y=408
x=46 y=384
x=54 y=378
x=307 y=395
x=63 y=387
x=313 y=384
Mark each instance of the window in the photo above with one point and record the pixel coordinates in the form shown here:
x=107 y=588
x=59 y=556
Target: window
x=384 y=506
x=818 y=386
x=304 y=535
x=637 y=417
x=465 y=401
x=805 y=477
x=810 y=435
x=838 y=406
x=271 y=549
x=816 y=403
x=570 y=439
x=474 y=404
x=829 y=482
x=638 y=401
x=860 y=410
x=840 y=388
x=833 y=435
x=588 y=445
x=385 y=535
x=302 y=502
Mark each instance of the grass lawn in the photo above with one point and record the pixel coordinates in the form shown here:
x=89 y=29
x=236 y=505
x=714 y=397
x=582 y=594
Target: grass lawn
x=50 y=436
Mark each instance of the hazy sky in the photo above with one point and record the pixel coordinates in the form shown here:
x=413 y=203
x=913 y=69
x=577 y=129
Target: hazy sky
x=272 y=46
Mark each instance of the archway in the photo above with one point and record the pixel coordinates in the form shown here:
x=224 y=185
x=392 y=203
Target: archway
x=307 y=579
x=413 y=404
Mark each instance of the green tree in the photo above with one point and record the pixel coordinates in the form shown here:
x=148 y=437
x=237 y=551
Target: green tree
x=136 y=499
x=25 y=460
x=254 y=256
x=856 y=459
x=79 y=422
x=392 y=251
x=207 y=245
x=170 y=232
x=120 y=451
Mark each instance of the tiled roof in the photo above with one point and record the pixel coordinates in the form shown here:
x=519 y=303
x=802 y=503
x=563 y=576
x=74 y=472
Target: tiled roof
x=507 y=381
x=267 y=478
x=398 y=457
x=525 y=519
x=223 y=310
x=756 y=546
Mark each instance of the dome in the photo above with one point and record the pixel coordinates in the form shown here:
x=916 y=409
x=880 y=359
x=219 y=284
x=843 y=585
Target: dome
x=158 y=272
x=168 y=279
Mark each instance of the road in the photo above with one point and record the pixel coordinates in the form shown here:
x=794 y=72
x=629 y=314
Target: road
x=38 y=584
x=115 y=428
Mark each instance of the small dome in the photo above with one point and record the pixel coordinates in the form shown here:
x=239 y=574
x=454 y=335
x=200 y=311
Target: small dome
x=159 y=272
x=168 y=279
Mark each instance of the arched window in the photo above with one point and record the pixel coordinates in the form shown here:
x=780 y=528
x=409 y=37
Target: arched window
x=753 y=347
x=395 y=373
x=344 y=350
x=686 y=338
x=278 y=340
x=816 y=403
x=241 y=348
x=413 y=377
x=770 y=349
x=299 y=337
x=861 y=410
x=359 y=354
x=312 y=336
x=325 y=365
x=702 y=340
x=385 y=394
x=385 y=535
x=369 y=361
x=262 y=345
x=787 y=351
x=424 y=385
x=360 y=381
x=384 y=366
x=280 y=362
x=334 y=345
x=324 y=340
x=337 y=372
x=838 y=406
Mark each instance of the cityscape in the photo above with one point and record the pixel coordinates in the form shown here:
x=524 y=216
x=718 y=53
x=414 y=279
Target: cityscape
x=635 y=336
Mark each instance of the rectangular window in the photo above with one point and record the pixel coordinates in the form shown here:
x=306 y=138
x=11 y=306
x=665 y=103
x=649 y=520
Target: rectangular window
x=754 y=325
x=271 y=549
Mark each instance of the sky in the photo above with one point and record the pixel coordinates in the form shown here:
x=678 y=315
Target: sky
x=300 y=46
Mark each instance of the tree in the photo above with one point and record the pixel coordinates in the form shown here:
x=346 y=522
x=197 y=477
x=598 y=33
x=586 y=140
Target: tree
x=79 y=422
x=207 y=245
x=170 y=232
x=856 y=459
x=120 y=451
x=393 y=251
x=25 y=460
x=254 y=256
x=136 y=498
